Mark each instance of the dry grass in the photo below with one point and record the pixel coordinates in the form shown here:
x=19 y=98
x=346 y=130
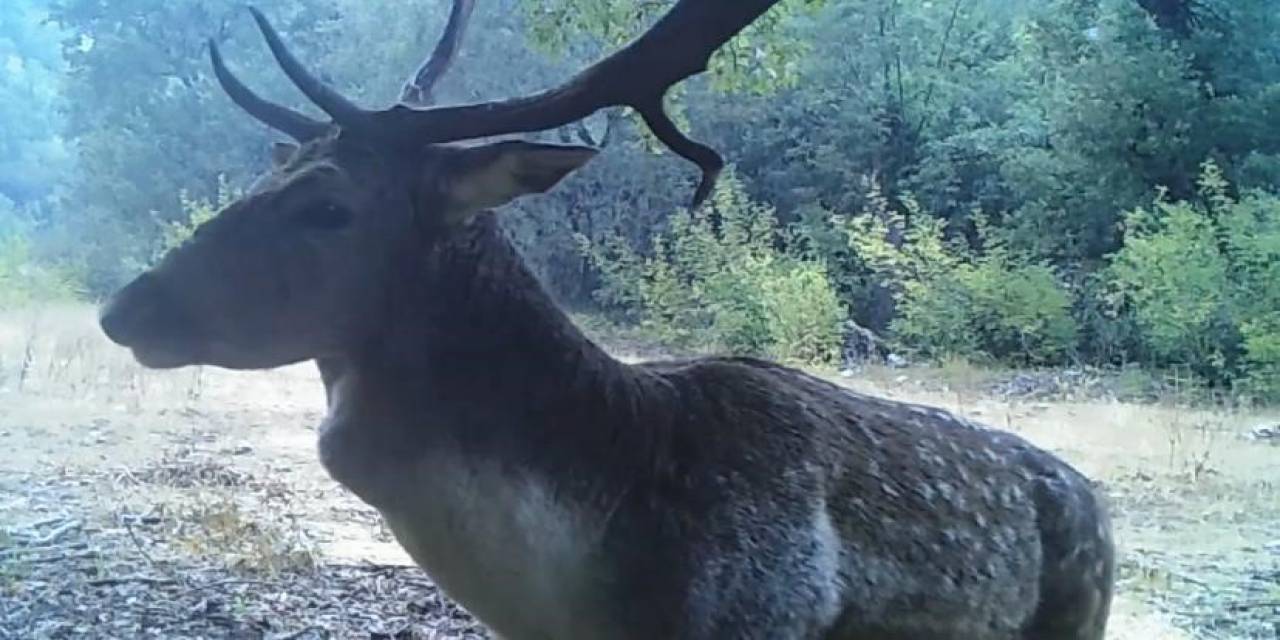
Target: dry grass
x=218 y=469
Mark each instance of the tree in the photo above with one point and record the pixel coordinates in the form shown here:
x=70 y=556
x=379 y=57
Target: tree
x=33 y=157
x=1119 y=109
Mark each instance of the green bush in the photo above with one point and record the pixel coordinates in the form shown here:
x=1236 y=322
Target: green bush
x=804 y=314
x=24 y=281
x=954 y=301
x=1202 y=280
x=23 y=278
x=1173 y=274
x=195 y=212
x=716 y=279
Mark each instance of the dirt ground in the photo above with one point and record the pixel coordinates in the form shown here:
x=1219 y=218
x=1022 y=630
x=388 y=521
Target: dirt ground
x=190 y=504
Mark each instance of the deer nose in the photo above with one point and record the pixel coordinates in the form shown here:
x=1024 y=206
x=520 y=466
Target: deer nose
x=134 y=311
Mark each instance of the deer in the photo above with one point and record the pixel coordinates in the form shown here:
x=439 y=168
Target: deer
x=552 y=490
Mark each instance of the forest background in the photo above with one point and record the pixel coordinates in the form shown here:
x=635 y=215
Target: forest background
x=1004 y=182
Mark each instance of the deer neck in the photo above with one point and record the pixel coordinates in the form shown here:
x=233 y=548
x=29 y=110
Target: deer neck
x=475 y=362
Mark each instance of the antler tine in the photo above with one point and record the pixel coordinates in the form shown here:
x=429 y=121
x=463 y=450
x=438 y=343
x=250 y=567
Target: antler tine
x=639 y=75
x=343 y=111
x=707 y=159
x=417 y=90
x=296 y=125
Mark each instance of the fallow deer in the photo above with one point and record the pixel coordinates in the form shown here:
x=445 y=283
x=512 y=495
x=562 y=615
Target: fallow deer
x=552 y=490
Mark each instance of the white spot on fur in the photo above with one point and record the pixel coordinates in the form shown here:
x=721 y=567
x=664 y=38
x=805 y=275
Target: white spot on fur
x=927 y=492
x=827 y=562
x=946 y=490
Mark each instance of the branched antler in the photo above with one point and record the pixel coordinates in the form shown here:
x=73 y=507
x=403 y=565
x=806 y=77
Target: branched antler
x=418 y=89
x=638 y=76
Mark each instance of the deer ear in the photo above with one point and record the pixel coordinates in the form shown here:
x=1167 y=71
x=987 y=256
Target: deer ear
x=281 y=152
x=487 y=176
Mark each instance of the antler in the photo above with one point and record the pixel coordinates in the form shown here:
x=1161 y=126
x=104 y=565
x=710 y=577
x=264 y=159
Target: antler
x=417 y=90
x=298 y=126
x=638 y=76
x=302 y=128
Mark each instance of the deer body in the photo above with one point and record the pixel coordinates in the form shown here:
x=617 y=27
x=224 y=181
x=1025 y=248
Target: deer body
x=556 y=492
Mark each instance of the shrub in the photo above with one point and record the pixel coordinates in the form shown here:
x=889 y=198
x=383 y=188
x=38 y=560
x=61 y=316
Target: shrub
x=804 y=314
x=23 y=278
x=1174 y=276
x=716 y=279
x=1202 y=280
x=954 y=301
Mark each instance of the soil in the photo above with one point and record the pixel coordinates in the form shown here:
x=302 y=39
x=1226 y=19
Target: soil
x=190 y=504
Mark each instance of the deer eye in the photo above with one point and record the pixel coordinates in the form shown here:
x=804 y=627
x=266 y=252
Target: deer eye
x=325 y=216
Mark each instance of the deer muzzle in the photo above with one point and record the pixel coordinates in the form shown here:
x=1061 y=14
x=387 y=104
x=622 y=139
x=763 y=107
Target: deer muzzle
x=147 y=319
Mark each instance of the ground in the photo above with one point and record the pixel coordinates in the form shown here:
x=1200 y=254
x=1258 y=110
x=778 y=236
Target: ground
x=190 y=504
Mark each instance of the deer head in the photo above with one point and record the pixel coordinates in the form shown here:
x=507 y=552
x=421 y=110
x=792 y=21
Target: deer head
x=291 y=271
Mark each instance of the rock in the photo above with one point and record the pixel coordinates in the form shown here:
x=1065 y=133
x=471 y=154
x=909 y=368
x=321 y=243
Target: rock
x=860 y=346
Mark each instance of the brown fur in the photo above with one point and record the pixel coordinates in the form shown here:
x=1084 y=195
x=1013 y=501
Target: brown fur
x=699 y=499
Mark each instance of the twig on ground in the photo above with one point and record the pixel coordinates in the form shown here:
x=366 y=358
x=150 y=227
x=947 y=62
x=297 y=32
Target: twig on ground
x=1260 y=604
x=294 y=635
x=106 y=582
x=14 y=552
x=1186 y=578
x=138 y=543
x=125 y=476
x=229 y=582
x=57 y=533
x=32 y=526
x=62 y=556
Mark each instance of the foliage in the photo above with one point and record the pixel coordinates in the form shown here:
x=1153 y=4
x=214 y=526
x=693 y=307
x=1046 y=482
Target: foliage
x=196 y=212
x=147 y=115
x=1038 y=189
x=23 y=279
x=761 y=59
x=956 y=301
x=911 y=98
x=1175 y=276
x=148 y=118
x=716 y=280
x=1203 y=281
x=1116 y=108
